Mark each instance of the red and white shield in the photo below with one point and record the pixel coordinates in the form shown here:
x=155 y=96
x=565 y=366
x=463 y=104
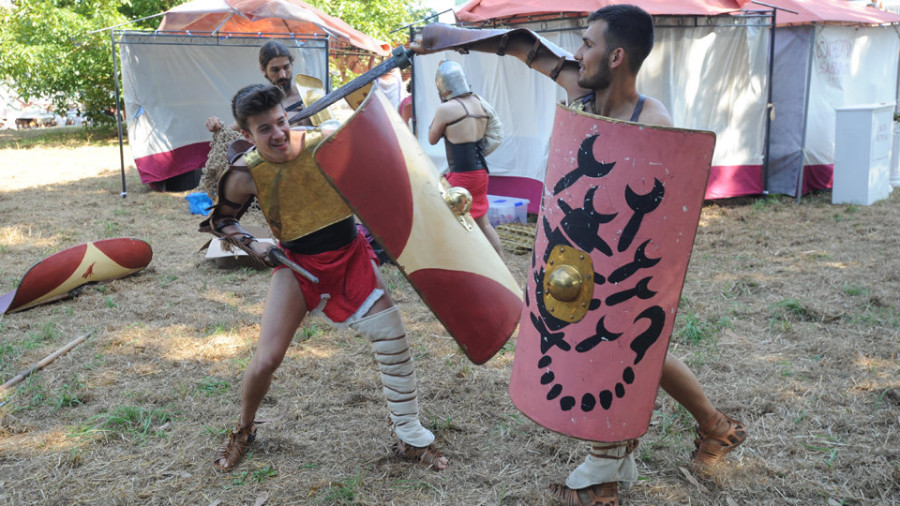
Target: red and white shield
x=58 y=276
x=378 y=167
x=618 y=217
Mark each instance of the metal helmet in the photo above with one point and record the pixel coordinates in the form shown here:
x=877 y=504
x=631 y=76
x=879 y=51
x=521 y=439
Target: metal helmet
x=451 y=80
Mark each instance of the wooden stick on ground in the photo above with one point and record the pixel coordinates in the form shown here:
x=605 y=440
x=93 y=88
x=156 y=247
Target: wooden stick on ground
x=43 y=363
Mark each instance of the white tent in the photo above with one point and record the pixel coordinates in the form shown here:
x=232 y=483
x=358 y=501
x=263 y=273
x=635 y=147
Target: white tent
x=711 y=72
x=205 y=51
x=172 y=83
x=819 y=68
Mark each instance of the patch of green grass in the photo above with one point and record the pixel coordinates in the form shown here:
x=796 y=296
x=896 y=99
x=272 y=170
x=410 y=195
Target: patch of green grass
x=131 y=421
x=212 y=386
x=219 y=328
x=309 y=330
x=110 y=229
x=241 y=362
x=437 y=423
x=693 y=330
x=343 y=492
x=761 y=204
x=32 y=393
x=508 y=347
x=59 y=137
x=421 y=351
x=8 y=354
x=110 y=303
x=879 y=399
x=829 y=452
x=68 y=396
x=258 y=475
x=785 y=368
x=787 y=311
x=167 y=280
x=854 y=290
x=220 y=431
x=875 y=316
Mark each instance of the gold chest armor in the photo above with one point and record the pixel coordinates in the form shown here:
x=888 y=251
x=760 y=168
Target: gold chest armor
x=295 y=197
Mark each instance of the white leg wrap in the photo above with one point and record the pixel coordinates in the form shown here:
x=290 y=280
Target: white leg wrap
x=385 y=332
x=605 y=463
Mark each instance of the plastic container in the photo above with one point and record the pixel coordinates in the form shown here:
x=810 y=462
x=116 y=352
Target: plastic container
x=507 y=210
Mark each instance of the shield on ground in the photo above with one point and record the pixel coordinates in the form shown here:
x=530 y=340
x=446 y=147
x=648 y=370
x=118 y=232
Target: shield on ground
x=392 y=186
x=61 y=275
x=618 y=217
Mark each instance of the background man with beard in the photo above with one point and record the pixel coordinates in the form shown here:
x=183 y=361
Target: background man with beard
x=275 y=62
x=614 y=45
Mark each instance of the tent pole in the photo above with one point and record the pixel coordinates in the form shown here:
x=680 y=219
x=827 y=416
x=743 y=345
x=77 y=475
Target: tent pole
x=328 y=64
x=412 y=87
x=770 y=107
x=112 y=41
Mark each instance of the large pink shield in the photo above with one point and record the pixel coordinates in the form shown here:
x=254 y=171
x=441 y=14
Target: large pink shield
x=619 y=213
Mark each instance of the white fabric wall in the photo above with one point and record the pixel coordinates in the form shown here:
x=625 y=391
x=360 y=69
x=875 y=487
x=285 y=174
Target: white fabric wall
x=713 y=78
x=710 y=78
x=172 y=84
x=524 y=100
x=851 y=66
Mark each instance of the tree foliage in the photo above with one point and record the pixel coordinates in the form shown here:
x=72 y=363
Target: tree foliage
x=59 y=50
x=376 y=18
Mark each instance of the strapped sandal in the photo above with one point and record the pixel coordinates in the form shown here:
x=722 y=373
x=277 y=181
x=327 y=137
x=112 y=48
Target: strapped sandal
x=604 y=494
x=710 y=448
x=234 y=447
x=429 y=456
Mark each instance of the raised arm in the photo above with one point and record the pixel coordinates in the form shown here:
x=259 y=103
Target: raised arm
x=535 y=51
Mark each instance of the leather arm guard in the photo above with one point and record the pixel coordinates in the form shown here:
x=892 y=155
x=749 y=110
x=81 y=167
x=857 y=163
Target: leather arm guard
x=237 y=237
x=226 y=213
x=440 y=37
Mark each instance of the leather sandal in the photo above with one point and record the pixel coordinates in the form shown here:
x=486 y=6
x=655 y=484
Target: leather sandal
x=710 y=448
x=603 y=494
x=428 y=456
x=234 y=448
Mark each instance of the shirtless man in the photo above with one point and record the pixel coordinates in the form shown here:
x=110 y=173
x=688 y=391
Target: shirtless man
x=601 y=80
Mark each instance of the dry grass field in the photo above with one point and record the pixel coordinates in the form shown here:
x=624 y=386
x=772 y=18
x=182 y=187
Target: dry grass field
x=790 y=317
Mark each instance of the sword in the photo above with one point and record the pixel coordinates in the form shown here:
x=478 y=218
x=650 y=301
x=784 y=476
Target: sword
x=276 y=256
x=401 y=60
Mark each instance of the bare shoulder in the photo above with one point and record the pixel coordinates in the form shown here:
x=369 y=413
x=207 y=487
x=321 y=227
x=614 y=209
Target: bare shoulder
x=238 y=180
x=447 y=111
x=655 y=113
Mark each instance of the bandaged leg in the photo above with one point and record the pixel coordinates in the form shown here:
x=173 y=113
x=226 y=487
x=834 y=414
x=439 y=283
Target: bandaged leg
x=606 y=463
x=385 y=332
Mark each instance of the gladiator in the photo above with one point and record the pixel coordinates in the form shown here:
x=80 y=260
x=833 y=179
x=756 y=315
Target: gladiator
x=326 y=268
